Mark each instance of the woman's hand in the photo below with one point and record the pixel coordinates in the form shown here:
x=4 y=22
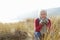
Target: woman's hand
x=43 y=22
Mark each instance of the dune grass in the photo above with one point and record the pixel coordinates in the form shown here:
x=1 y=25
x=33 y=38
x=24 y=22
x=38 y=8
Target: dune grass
x=28 y=26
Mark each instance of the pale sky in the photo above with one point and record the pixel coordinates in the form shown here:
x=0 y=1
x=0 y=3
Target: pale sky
x=10 y=10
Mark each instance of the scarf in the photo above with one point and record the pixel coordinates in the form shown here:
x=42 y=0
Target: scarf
x=44 y=27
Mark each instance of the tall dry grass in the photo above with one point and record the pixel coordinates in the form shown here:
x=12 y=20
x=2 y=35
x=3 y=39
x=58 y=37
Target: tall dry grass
x=28 y=26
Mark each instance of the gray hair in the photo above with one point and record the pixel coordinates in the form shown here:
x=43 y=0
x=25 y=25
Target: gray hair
x=43 y=11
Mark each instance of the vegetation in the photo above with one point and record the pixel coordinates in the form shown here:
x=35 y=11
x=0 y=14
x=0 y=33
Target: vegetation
x=11 y=31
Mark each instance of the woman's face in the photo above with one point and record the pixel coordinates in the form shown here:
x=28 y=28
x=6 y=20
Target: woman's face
x=43 y=14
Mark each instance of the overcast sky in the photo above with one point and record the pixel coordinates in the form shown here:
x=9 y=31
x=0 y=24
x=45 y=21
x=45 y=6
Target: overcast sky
x=11 y=9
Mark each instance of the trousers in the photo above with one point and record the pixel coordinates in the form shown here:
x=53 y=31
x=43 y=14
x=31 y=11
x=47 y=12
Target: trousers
x=37 y=35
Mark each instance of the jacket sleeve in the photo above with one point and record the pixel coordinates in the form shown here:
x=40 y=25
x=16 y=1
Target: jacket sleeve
x=37 y=25
x=49 y=23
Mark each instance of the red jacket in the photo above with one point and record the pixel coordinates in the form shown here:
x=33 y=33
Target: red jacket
x=38 y=26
